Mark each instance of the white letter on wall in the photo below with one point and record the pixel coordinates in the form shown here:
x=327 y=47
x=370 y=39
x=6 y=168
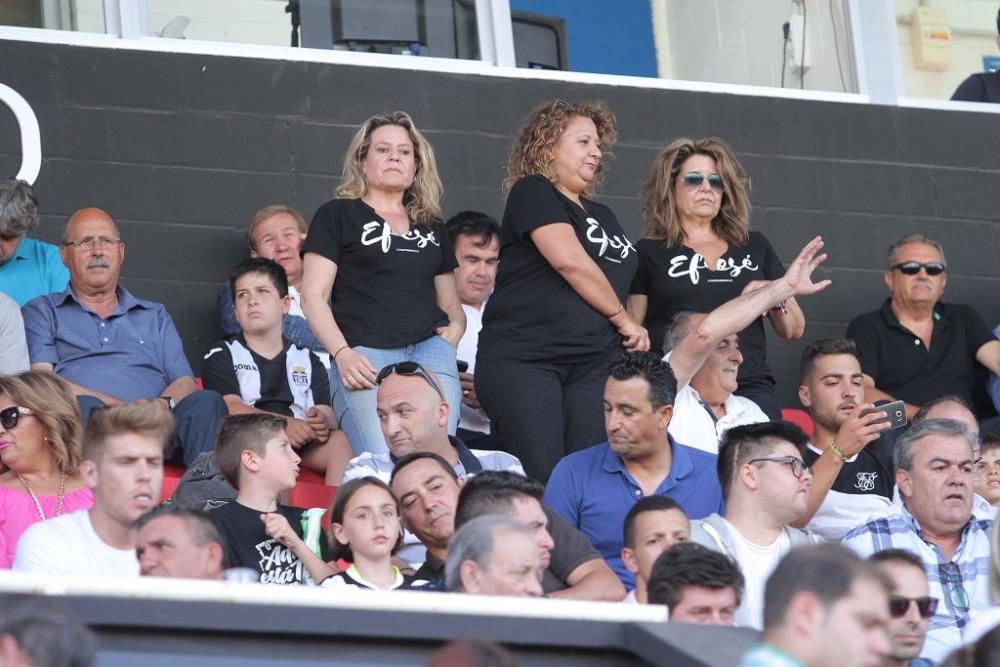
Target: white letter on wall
x=31 y=138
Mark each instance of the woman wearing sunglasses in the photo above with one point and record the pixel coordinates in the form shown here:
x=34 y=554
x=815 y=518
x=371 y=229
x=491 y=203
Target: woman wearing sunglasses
x=697 y=252
x=556 y=318
x=382 y=253
x=40 y=447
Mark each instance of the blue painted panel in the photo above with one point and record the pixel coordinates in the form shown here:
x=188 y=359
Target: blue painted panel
x=605 y=37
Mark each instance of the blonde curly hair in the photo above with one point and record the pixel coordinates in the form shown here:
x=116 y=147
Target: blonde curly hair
x=532 y=152
x=659 y=203
x=423 y=198
x=53 y=404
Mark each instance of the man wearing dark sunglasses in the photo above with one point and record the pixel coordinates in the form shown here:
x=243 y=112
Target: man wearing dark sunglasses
x=910 y=607
x=916 y=347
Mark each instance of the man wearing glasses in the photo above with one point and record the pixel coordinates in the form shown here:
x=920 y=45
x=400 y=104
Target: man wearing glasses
x=935 y=473
x=916 y=348
x=765 y=483
x=113 y=348
x=910 y=607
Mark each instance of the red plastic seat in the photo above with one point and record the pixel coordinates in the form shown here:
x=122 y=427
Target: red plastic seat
x=311 y=491
x=800 y=418
x=171 y=478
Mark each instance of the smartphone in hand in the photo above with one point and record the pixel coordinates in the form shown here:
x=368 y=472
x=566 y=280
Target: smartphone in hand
x=896 y=411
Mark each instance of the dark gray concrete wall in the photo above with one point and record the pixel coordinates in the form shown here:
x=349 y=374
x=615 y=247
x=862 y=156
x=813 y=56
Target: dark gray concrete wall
x=181 y=149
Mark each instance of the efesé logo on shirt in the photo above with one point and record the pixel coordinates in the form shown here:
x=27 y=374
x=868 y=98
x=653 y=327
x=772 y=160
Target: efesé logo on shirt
x=380 y=233
x=683 y=266
x=613 y=248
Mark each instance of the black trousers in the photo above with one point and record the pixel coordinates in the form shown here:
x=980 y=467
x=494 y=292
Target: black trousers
x=544 y=410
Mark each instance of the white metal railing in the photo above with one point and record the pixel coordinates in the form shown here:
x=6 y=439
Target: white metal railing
x=197 y=590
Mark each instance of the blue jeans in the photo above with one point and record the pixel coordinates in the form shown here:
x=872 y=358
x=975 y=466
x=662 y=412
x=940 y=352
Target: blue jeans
x=197 y=418
x=355 y=408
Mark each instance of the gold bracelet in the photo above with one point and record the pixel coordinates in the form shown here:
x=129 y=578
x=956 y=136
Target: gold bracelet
x=838 y=451
x=621 y=307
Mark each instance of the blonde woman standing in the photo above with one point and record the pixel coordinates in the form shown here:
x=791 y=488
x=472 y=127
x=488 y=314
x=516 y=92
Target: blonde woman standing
x=381 y=252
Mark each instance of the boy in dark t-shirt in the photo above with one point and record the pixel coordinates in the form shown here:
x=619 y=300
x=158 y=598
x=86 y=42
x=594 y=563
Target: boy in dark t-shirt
x=256 y=456
x=259 y=371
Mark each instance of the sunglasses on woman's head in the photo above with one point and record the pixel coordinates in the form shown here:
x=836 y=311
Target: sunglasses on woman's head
x=899 y=605
x=694 y=179
x=9 y=417
x=408 y=368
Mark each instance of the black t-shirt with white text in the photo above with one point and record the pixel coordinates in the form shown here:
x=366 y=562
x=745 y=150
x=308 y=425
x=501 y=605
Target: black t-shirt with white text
x=869 y=473
x=248 y=544
x=675 y=279
x=384 y=294
x=534 y=313
x=218 y=373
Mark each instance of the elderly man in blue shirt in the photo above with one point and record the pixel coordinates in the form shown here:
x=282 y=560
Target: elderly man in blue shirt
x=112 y=347
x=595 y=488
x=28 y=267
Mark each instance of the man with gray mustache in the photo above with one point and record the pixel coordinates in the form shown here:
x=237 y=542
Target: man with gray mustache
x=112 y=347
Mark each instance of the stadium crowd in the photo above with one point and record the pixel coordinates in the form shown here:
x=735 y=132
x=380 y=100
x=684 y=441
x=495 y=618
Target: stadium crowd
x=542 y=407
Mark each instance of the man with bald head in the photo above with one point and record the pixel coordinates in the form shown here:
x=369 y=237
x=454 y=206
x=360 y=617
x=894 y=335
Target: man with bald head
x=112 y=347
x=414 y=417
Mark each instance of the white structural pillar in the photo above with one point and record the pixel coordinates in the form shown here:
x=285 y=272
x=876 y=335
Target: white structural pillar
x=876 y=49
x=496 y=32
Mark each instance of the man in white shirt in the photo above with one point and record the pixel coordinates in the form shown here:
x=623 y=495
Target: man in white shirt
x=703 y=352
x=475 y=238
x=705 y=406
x=765 y=483
x=123 y=464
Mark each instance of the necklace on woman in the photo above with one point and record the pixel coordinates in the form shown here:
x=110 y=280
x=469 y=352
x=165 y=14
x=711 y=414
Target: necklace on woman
x=34 y=498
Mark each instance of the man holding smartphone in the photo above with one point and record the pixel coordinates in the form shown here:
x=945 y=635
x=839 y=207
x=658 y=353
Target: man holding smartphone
x=853 y=476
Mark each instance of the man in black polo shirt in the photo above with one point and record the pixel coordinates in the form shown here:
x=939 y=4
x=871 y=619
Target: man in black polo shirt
x=917 y=348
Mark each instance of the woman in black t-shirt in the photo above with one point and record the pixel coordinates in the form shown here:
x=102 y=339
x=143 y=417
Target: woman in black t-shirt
x=555 y=319
x=383 y=255
x=697 y=209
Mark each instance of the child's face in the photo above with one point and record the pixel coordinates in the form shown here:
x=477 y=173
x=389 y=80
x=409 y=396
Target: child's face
x=258 y=306
x=371 y=524
x=988 y=476
x=279 y=467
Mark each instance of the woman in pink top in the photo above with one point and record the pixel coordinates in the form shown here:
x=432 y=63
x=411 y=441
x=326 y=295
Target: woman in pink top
x=40 y=448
